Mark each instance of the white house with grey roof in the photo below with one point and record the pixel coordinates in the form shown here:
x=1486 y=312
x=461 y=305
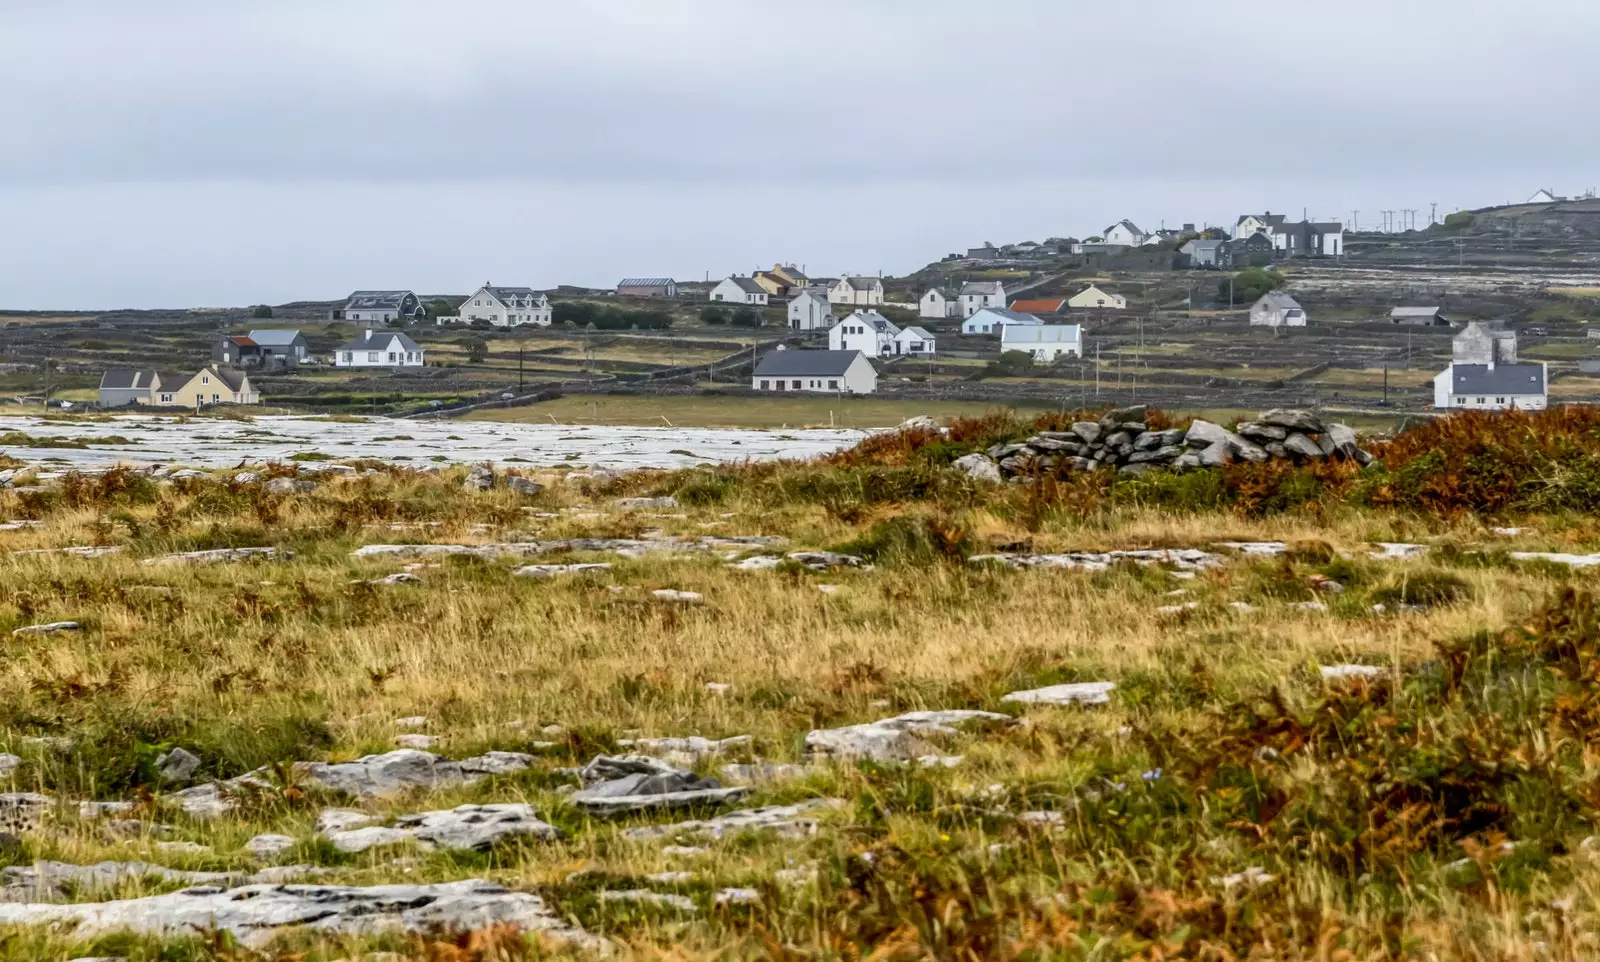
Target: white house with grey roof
x=1484 y=374
x=1126 y=233
x=866 y=331
x=915 y=342
x=1277 y=309
x=939 y=303
x=380 y=307
x=815 y=372
x=992 y=320
x=856 y=291
x=504 y=307
x=379 y=349
x=977 y=295
x=809 y=310
x=739 y=290
x=1045 y=342
x=647 y=287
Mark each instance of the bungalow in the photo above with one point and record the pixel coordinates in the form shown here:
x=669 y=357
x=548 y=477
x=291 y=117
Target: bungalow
x=647 y=287
x=267 y=349
x=505 y=307
x=1418 y=317
x=939 y=303
x=977 y=295
x=809 y=310
x=1093 y=296
x=1045 y=342
x=991 y=320
x=122 y=386
x=1042 y=305
x=210 y=385
x=857 y=291
x=817 y=372
x=1202 y=252
x=380 y=307
x=914 y=342
x=1277 y=309
x=987 y=252
x=379 y=349
x=740 y=290
x=866 y=331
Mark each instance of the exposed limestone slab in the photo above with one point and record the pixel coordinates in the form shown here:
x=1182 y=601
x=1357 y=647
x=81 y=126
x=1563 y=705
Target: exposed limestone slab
x=399 y=771
x=51 y=628
x=1184 y=559
x=255 y=914
x=477 y=827
x=1571 y=560
x=901 y=738
x=627 y=547
x=615 y=784
x=1076 y=693
x=646 y=897
x=552 y=571
x=788 y=821
x=218 y=555
x=1341 y=672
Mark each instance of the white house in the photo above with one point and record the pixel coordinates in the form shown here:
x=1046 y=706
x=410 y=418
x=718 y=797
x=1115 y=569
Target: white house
x=866 y=331
x=809 y=310
x=1126 y=233
x=914 y=342
x=816 y=372
x=1045 y=342
x=991 y=319
x=504 y=307
x=977 y=295
x=379 y=349
x=1093 y=296
x=1277 y=309
x=1248 y=224
x=1484 y=374
x=740 y=290
x=1543 y=195
x=856 y=291
x=938 y=304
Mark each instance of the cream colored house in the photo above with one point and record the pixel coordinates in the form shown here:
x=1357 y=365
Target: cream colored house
x=856 y=291
x=209 y=385
x=1093 y=296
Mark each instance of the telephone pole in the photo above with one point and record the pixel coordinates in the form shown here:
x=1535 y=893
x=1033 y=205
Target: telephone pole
x=1355 y=221
x=1433 y=213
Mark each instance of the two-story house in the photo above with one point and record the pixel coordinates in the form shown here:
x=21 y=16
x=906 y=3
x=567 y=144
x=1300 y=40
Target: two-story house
x=856 y=291
x=977 y=295
x=866 y=331
x=380 y=307
x=1484 y=374
x=809 y=310
x=504 y=307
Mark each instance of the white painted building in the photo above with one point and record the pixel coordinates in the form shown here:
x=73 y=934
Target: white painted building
x=977 y=295
x=1093 y=297
x=1277 y=309
x=809 y=310
x=815 y=372
x=504 y=307
x=379 y=349
x=739 y=290
x=856 y=291
x=1484 y=374
x=866 y=331
x=1045 y=342
x=991 y=320
x=1125 y=232
x=914 y=342
x=938 y=304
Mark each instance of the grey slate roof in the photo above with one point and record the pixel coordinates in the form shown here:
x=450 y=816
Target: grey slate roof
x=507 y=293
x=1202 y=244
x=644 y=282
x=375 y=300
x=1015 y=317
x=1498 y=379
x=1042 y=334
x=862 y=283
x=981 y=287
x=126 y=379
x=379 y=339
x=1279 y=301
x=234 y=379
x=748 y=285
x=806 y=363
x=274 y=338
x=1413 y=312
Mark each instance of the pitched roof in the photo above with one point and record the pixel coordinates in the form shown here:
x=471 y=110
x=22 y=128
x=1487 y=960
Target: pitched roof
x=1201 y=244
x=1041 y=334
x=127 y=379
x=948 y=293
x=875 y=320
x=862 y=283
x=746 y=284
x=1131 y=227
x=1010 y=317
x=1279 y=301
x=243 y=340
x=376 y=300
x=982 y=287
x=918 y=332
x=644 y=282
x=806 y=363
x=372 y=340
x=274 y=338
x=1045 y=305
x=1414 y=312
x=1500 y=379
x=234 y=379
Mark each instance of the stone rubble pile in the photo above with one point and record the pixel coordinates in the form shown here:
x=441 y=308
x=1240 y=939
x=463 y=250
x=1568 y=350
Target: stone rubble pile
x=1123 y=441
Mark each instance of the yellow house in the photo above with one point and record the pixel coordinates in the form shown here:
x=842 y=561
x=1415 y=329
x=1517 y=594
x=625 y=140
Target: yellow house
x=210 y=385
x=781 y=280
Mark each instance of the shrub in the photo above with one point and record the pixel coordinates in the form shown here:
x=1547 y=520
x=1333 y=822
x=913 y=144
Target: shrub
x=913 y=540
x=1251 y=283
x=261 y=312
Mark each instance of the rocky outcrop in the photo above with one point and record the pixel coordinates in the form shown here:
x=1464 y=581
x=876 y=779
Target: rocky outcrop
x=1123 y=441
x=787 y=821
x=617 y=784
x=901 y=738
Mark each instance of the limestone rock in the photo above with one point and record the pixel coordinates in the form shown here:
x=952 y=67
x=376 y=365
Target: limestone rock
x=736 y=896
x=646 y=504
x=616 y=784
x=51 y=628
x=901 y=738
x=416 y=740
x=921 y=422
x=1343 y=440
x=269 y=846
x=256 y=914
x=480 y=478
x=1303 y=446
x=477 y=828
x=524 y=486
x=217 y=555
x=788 y=821
x=1342 y=672
x=1077 y=693
x=288 y=486
x=9 y=764
x=373 y=836
x=824 y=560
x=177 y=766
x=552 y=571
x=390 y=774
x=1089 y=431
x=680 y=597
x=1258 y=431
x=646 y=897
x=331 y=820
x=978 y=466
x=1303 y=421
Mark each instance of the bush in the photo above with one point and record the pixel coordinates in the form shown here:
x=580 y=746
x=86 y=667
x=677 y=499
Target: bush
x=1251 y=283
x=261 y=312
x=913 y=540
x=1460 y=220
x=748 y=317
x=712 y=314
x=603 y=317
x=1011 y=364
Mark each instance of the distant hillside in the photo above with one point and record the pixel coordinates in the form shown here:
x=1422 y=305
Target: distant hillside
x=1561 y=234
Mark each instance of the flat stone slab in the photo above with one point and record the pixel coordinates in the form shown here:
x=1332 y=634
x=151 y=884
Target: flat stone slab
x=1398 y=551
x=553 y=571
x=217 y=556
x=788 y=821
x=627 y=547
x=255 y=914
x=1554 y=557
x=901 y=738
x=52 y=880
x=1076 y=693
x=477 y=828
x=1184 y=559
x=399 y=771
x=622 y=804
x=47 y=629
x=1269 y=548
x=1340 y=672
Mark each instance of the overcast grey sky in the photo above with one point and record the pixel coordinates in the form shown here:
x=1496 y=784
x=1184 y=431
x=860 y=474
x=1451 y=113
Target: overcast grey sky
x=196 y=152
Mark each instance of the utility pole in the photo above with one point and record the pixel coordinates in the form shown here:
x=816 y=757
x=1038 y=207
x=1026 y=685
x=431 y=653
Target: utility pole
x=1097 y=372
x=48 y=364
x=519 y=370
x=1355 y=221
x=1433 y=213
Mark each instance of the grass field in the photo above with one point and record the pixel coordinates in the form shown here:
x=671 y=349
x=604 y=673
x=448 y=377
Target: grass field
x=1225 y=802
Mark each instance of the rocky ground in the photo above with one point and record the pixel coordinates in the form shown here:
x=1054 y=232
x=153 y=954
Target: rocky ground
x=811 y=711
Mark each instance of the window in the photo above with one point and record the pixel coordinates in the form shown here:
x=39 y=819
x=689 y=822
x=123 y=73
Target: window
x=797 y=385
x=345 y=356
x=391 y=357
x=215 y=398
x=1499 y=400
x=1461 y=400
x=1480 y=400
x=716 y=297
x=166 y=399
x=205 y=380
x=833 y=385
x=764 y=385
x=372 y=357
